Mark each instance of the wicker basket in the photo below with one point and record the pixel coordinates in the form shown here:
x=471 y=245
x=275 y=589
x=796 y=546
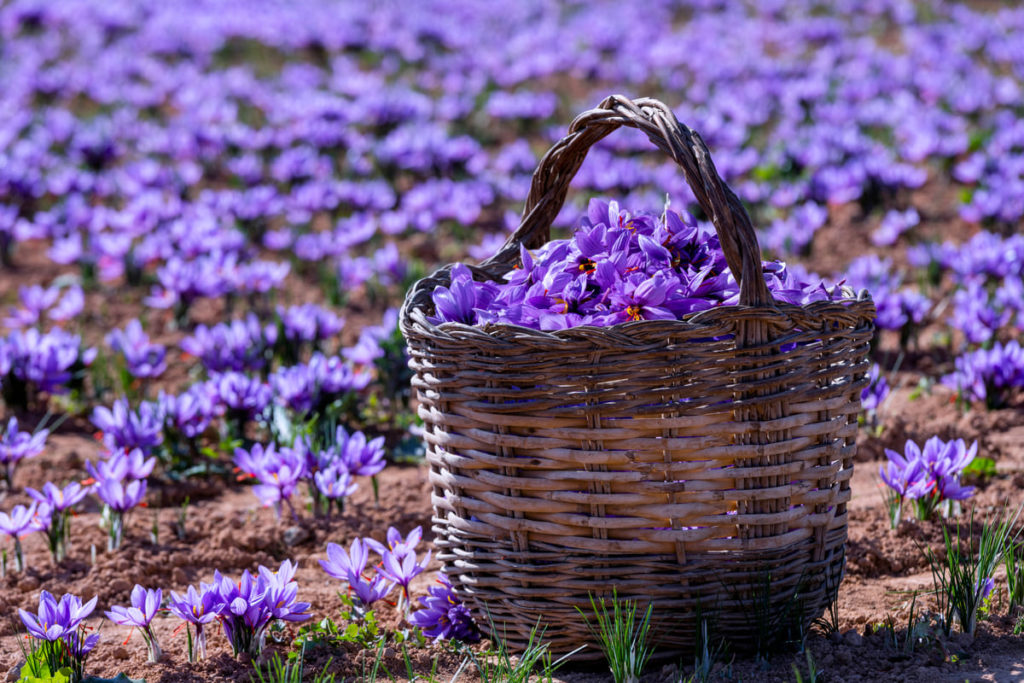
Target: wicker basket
x=703 y=464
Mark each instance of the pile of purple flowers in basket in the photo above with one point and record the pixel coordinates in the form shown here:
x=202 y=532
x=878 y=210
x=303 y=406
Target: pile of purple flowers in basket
x=617 y=267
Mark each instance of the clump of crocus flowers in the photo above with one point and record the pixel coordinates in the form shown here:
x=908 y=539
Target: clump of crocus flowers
x=618 y=267
x=245 y=608
x=928 y=477
x=328 y=469
x=120 y=486
x=443 y=615
x=56 y=504
x=59 y=634
x=16 y=445
x=21 y=521
x=144 y=605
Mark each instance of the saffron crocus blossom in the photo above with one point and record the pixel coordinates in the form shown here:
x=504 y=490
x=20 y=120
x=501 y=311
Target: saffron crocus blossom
x=357 y=454
x=989 y=374
x=875 y=392
x=58 y=626
x=46 y=361
x=396 y=543
x=244 y=397
x=20 y=522
x=240 y=345
x=124 y=428
x=196 y=609
x=350 y=567
x=16 y=445
x=334 y=484
x=189 y=413
x=279 y=472
x=458 y=302
x=443 y=616
x=929 y=476
x=145 y=603
x=122 y=464
x=119 y=497
x=142 y=359
x=618 y=267
x=59 y=501
x=245 y=608
x=398 y=558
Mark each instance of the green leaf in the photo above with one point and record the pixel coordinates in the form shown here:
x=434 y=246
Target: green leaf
x=981 y=468
x=62 y=676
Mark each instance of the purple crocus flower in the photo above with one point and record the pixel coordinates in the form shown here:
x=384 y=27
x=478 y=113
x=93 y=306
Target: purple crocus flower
x=16 y=445
x=124 y=428
x=356 y=454
x=59 y=499
x=120 y=497
x=459 y=301
x=350 y=567
x=21 y=521
x=928 y=476
x=396 y=543
x=145 y=603
x=402 y=569
x=875 y=392
x=61 y=634
x=58 y=502
x=143 y=359
x=189 y=413
x=334 y=483
x=56 y=619
x=398 y=558
x=236 y=346
x=243 y=396
x=247 y=607
x=120 y=465
x=443 y=616
x=197 y=608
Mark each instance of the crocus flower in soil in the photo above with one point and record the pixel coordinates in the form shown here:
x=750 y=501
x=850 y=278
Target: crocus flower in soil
x=875 y=392
x=929 y=476
x=989 y=374
x=196 y=609
x=119 y=497
x=16 y=445
x=124 y=428
x=396 y=543
x=350 y=567
x=145 y=603
x=59 y=501
x=122 y=464
x=398 y=558
x=247 y=607
x=244 y=397
x=20 y=522
x=278 y=471
x=58 y=627
x=443 y=616
x=358 y=455
x=334 y=484
x=142 y=359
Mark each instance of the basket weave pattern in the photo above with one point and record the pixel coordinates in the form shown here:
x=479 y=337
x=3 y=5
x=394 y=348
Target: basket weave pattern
x=692 y=463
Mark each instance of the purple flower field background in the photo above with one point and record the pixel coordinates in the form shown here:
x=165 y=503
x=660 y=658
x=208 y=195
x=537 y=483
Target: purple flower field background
x=210 y=212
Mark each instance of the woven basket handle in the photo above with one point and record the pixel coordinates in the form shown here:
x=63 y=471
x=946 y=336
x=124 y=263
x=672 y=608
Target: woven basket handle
x=559 y=166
